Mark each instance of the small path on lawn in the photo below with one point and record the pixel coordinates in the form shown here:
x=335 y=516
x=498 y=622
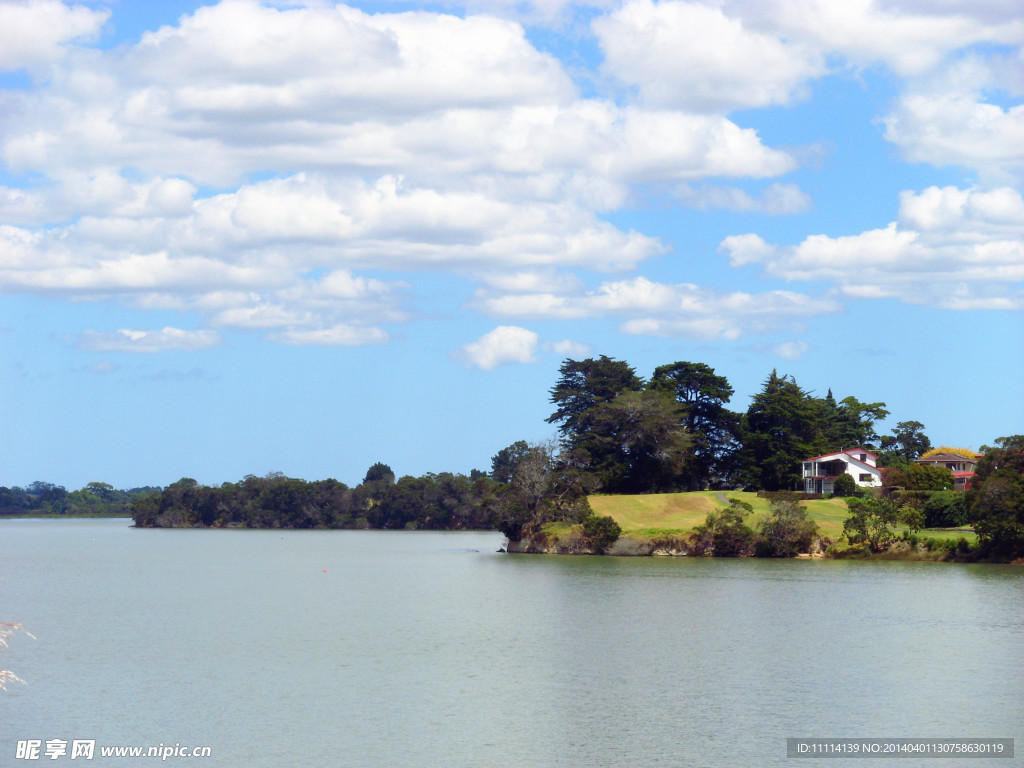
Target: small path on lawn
x=722 y=498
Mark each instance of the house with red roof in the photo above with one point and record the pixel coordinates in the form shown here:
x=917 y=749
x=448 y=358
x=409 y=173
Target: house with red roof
x=961 y=466
x=820 y=472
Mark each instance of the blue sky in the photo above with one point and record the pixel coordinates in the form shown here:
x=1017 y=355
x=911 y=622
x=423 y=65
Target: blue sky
x=306 y=237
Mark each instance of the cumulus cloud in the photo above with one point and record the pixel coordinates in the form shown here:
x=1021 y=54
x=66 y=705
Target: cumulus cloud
x=133 y=340
x=952 y=248
x=504 y=345
x=950 y=120
x=693 y=56
x=34 y=32
x=909 y=37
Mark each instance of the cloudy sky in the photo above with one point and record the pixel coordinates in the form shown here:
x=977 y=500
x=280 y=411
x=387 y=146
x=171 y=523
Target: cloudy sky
x=305 y=237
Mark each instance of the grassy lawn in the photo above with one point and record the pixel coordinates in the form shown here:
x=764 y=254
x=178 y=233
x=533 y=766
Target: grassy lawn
x=655 y=513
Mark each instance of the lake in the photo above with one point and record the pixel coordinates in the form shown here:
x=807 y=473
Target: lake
x=391 y=649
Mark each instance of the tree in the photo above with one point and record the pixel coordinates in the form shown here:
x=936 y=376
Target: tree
x=918 y=477
x=637 y=443
x=844 y=486
x=872 y=521
x=712 y=429
x=906 y=444
x=780 y=429
x=945 y=509
x=584 y=384
x=786 y=531
x=724 y=532
x=600 y=532
x=505 y=461
x=996 y=499
x=379 y=473
x=852 y=423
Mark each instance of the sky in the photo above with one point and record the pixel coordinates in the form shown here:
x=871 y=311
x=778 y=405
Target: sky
x=246 y=237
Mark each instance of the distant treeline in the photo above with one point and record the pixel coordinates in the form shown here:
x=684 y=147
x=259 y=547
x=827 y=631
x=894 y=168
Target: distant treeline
x=433 y=502
x=94 y=500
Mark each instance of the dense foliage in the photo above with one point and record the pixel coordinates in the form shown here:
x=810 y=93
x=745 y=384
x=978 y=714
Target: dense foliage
x=997 y=499
x=95 y=499
x=442 y=501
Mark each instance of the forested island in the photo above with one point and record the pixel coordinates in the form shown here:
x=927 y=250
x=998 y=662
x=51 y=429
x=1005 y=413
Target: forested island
x=620 y=434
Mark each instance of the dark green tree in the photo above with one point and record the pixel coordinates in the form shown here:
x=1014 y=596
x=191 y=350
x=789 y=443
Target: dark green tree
x=724 y=532
x=918 y=477
x=600 y=532
x=780 y=429
x=849 y=423
x=844 y=486
x=996 y=499
x=505 y=461
x=786 y=531
x=906 y=444
x=637 y=442
x=584 y=384
x=711 y=427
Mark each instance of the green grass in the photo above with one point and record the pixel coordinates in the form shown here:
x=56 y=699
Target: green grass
x=657 y=513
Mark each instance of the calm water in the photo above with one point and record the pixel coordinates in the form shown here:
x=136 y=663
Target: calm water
x=353 y=648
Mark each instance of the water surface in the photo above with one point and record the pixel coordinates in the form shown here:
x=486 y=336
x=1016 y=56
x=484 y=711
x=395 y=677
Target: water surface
x=361 y=648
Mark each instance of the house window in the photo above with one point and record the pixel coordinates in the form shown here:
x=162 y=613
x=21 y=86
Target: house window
x=865 y=477
x=807 y=467
x=863 y=457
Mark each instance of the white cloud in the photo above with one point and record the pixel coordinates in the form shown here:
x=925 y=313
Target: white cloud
x=692 y=56
x=909 y=37
x=952 y=248
x=568 y=348
x=505 y=344
x=659 y=309
x=132 y=340
x=959 y=129
x=746 y=249
x=34 y=32
x=791 y=350
x=776 y=199
x=339 y=335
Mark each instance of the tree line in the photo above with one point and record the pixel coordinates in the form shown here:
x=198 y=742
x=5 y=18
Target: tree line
x=42 y=498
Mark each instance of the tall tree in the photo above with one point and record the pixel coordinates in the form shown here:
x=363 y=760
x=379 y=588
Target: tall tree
x=851 y=424
x=906 y=444
x=637 y=442
x=996 y=499
x=584 y=384
x=780 y=429
x=712 y=429
x=582 y=389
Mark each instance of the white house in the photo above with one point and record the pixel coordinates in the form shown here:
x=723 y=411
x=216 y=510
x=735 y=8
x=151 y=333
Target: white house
x=820 y=472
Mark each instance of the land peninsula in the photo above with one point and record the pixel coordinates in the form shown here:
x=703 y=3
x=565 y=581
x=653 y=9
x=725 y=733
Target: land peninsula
x=657 y=465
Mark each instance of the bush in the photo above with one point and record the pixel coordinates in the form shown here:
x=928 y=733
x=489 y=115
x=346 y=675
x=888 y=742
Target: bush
x=600 y=532
x=945 y=509
x=724 y=534
x=845 y=486
x=786 y=531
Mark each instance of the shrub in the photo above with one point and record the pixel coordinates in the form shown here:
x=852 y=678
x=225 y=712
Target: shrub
x=845 y=486
x=786 y=531
x=945 y=509
x=724 y=534
x=600 y=532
